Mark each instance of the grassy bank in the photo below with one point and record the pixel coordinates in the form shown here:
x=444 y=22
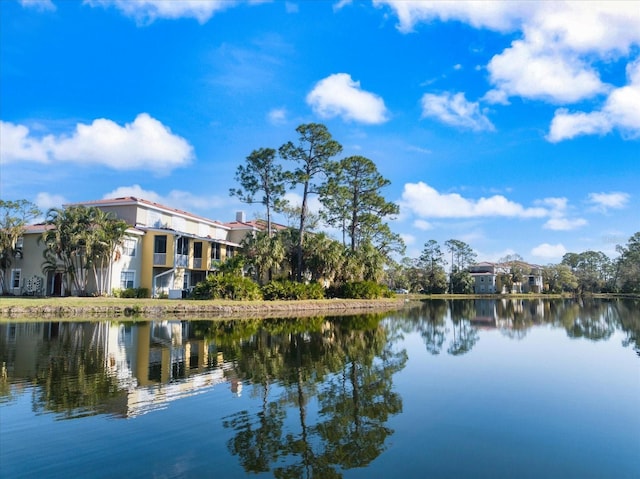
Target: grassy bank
x=90 y=308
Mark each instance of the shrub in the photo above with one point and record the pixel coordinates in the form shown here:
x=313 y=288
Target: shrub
x=361 y=290
x=291 y=290
x=131 y=293
x=227 y=286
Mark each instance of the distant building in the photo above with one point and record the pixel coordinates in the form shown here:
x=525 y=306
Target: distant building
x=502 y=278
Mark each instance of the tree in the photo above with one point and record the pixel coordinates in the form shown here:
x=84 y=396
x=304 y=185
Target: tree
x=14 y=217
x=594 y=270
x=352 y=200
x=433 y=262
x=83 y=239
x=313 y=154
x=462 y=255
x=261 y=173
x=263 y=253
x=559 y=278
x=629 y=265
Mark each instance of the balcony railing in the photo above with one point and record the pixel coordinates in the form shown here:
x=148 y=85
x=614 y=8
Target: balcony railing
x=160 y=258
x=197 y=263
x=182 y=260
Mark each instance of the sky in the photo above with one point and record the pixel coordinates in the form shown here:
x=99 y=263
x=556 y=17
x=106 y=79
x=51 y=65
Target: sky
x=511 y=126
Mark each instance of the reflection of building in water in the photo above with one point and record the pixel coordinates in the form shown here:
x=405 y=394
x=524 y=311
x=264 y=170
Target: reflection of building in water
x=485 y=314
x=152 y=363
x=501 y=314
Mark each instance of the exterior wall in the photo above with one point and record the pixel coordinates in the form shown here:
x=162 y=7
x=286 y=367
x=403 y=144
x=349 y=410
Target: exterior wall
x=128 y=262
x=30 y=264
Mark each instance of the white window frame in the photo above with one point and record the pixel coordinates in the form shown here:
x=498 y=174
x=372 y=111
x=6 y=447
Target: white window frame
x=16 y=278
x=124 y=274
x=129 y=247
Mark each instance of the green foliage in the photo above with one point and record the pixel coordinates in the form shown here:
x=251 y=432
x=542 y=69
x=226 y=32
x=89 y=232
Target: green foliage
x=291 y=290
x=131 y=293
x=14 y=217
x=227 y=286
x=360 y=290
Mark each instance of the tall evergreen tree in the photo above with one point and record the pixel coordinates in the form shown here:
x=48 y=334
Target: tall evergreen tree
x=261 y=174
x=312 y=155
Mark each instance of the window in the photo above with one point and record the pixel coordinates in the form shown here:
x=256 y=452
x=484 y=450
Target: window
x=127 y=279
x=183 y=246
x=197 y=249
x=15 y=278
x=215 y=251
x=230 y=251
x=160 y=245
x=20 y=242
x=129 y=247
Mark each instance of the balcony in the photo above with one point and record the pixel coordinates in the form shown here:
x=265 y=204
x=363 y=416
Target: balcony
x=197 y=263
x=160 y=259
x=182 y=260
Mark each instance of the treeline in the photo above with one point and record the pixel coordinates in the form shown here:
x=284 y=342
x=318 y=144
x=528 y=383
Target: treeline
x=577 y=273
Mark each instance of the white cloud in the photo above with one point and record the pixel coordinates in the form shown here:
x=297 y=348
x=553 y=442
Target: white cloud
x=426 y=202
x=564 y=224
x=621 y=110
x=39 y=5
x=556 y=57
x=144 y=143
x=179 y=199
x=17 y=145
x=549 y=251
x=339 y=95
x=455 y=110
x=147 y=11
x=278 y=116
x=422 y=225
x=604 y=201
x=341 y=4
x=408 y=239
x=524 y=71
x=46 y=201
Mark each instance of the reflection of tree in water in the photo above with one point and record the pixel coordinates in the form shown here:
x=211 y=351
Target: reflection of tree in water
x=629 y=313
x=464 y=335
x=347 y=365
x=73 y=377
x=432 y=326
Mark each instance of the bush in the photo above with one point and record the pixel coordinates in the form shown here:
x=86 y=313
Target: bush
x=291 y=290
x=227 y=286
x=131 y=293
x=361 y=290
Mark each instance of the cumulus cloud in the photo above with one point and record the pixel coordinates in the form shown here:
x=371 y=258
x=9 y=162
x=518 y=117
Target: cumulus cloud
x=556 y=58
x=621 y=111
x=455 y=110
x=143 y=144
x=549 y=251
x=564 y=224
x=426 y=202
x=46 y=201
x=339 y=95
x=603 y=202
x=147 y=11
x=524 y=71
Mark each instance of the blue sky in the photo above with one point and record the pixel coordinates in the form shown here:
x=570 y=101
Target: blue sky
x=513 y=126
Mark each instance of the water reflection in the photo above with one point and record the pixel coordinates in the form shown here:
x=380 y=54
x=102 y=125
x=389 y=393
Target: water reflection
x=453 y=325
x=312 y=397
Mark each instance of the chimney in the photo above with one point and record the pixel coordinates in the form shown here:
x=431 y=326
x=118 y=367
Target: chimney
x=240 y=216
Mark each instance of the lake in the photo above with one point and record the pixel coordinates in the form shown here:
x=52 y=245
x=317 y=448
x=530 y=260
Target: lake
x=449 y=389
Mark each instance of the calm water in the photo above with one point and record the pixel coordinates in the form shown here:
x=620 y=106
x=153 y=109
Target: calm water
x=522 y=389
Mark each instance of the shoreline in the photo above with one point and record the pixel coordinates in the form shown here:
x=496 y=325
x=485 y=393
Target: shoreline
x=76 y=308
x=133 y=309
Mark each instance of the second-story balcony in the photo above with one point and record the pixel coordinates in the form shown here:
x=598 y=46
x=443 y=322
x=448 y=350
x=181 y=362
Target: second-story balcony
x=182 y=260
x=160 y=259
x=197 y=263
